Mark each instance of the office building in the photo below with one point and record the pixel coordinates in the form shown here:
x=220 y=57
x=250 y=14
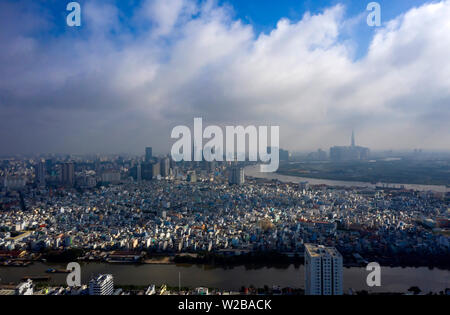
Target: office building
x=49 y=166
x=40 y=174
x=101 y=285
x=165 y=167
x=150 y=171
x=146 y=171
x=141 y=171
x=236 y=176
x=156 y=169
x=25 y=288
x=68 y=174
x=323 y=270
x=148 y=154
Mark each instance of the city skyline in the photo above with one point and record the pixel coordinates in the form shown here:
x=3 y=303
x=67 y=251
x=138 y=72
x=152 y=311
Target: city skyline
x=161 y=154
x=131 y=73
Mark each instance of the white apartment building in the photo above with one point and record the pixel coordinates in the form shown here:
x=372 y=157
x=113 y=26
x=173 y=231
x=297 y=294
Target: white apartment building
x=25 y=288
x=101 y=285
x=323 y=270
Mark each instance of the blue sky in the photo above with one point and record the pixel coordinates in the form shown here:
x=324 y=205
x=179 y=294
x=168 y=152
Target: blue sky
x=138 y=68
x=265 y=13
x=262 y=15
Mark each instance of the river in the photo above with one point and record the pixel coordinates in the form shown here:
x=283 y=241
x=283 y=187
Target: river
x=254 y=171
x=392 y=279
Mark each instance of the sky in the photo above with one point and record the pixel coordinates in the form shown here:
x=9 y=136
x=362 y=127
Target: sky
x=136 y=69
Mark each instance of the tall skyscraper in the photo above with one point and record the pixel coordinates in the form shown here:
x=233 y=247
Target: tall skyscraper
x=101 y=285
x=323 y=270
x=49 y=166
x=236 y=176
x=40 y=174
x=156 y=169
x=165 y=167
x=150 y=170
x=148 y=154
x=68 y=174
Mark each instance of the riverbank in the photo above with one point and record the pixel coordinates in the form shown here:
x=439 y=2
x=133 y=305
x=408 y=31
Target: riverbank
x=221 y=258
x=261 y=259
x=433 y=173
x=234 y=277
x=254 y=172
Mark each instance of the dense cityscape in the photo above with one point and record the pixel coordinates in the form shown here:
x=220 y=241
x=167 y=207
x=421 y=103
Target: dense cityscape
x=152 y=210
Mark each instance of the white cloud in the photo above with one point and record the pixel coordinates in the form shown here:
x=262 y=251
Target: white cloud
x=198 y=61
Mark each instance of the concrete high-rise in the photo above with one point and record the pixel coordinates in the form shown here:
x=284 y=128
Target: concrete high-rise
x=101 y=285
x=323 y=270
x=68 y=174
x=236 y=176
x=165 y=167
x=40 y=174
x=148 y=154
x=150 y=170
x=156 y=169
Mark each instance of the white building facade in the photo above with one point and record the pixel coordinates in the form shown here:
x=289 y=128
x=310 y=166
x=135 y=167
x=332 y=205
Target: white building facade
x=101 y=285
x=323 y=270
x=25 y=288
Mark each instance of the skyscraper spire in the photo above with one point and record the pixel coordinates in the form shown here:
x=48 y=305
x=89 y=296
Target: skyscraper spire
x=353 y=138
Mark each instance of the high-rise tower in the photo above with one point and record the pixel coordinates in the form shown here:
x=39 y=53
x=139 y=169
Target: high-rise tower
x=40 y=174
x=68 y=174
x=148 y=154
x=323 y=270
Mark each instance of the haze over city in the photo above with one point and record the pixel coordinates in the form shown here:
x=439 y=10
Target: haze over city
x=134 y=71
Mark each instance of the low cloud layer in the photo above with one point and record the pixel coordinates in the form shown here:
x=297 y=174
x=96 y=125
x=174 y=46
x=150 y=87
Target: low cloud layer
x=122 y=82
